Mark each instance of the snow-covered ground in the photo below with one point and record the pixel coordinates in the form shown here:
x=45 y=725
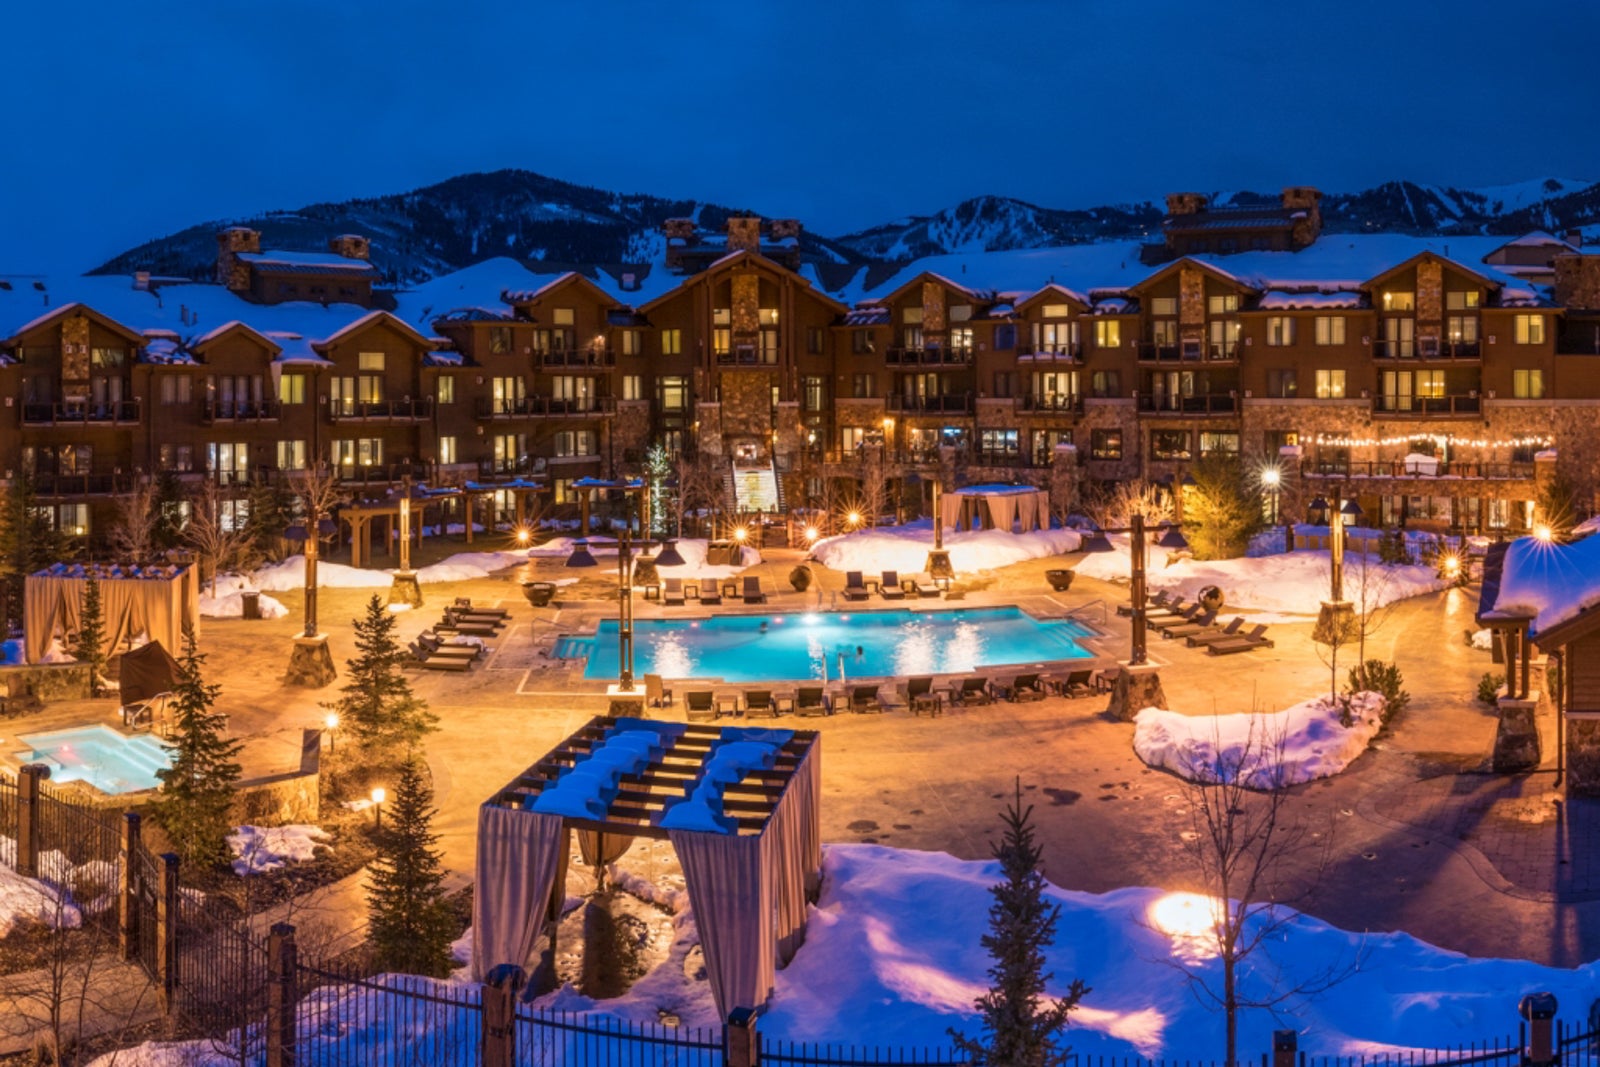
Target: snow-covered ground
x=905 y=548
x=1291 y=583
x=220 y=599
x=290 y=574
x=267 y=848
x=25 y=901
x=692 y=549
x=1298 y=744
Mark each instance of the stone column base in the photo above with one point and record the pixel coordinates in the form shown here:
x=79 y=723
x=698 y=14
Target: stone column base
x=311 y=664
x=405 y=589
x=1583 y=755
x=629 y=702
x=1516 y=739
x=938 y=565
x=1336 y=623
x=1135 y=689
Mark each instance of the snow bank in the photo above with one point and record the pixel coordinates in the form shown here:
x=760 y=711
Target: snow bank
x=267 y=848
x=1552 y=582
x=905 y=548
x=1315 y=744
x=231 y=606
x=692 y=549
x=27 y=902
x=463 y=566
x=1289 y=582
x=1482 y=640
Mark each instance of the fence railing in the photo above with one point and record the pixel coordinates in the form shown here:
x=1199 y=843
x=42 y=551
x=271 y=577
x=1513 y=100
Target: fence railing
x=577 y=1041
x=813 y=1054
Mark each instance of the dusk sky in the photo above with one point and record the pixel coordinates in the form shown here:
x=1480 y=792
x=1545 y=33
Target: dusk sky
x=160 y=115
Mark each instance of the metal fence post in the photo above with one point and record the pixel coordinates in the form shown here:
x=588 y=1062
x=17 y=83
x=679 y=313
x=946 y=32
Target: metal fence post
x=1539 y=1009
x=499 y=1041
x=282 y=967
x=743 y=1046
x=167 y=932
x=1285 y=1048
x=128 y=895
x=28 y=818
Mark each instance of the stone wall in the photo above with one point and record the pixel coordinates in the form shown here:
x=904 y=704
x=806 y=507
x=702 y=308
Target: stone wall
x=1191 y=303
x=1578 y=282
x=75 y=357
x=746 y=306
x=630 y=428
x=1309 y=200
x=744 y=234
x=708 y=433
x=1430 y=298
x=230 y=271
x=1110 y=415
x=350 y=246
x=747 y=405
x=934 y=321
x=1187 y=203
x=46 y=682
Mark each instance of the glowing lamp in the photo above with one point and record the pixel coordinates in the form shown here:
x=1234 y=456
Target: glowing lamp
x=1271 y=477
x=740 y=534
x=332 y=721
x=811 y=533
x=1544 y=533
x=379 y=794
x=523 y=536
x=854 y=518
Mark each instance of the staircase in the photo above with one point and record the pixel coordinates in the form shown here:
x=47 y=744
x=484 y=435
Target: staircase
x=755 y=489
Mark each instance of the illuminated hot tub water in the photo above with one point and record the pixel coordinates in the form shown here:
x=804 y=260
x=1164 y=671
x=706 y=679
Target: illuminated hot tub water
x=99 y=756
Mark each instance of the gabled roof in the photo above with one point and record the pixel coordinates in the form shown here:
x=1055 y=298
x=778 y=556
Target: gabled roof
x=927 y=276
x=728 y=262
x=571 y=277
x=1072 y=296
x=133 y=336
x=228 y=329
x=1189 y=261
x=1407 y=264
x=372 y=318
x=274 y=260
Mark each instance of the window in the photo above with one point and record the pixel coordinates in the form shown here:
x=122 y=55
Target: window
x=1105 y=444
x=1164 y=332
x=1396 y=394
x=1399 y=301
x=767 y=316
x=671 y=342
x=673 y=393
x=499 y=340
x=813 y=394
x=852 y=437
x=1105 y=383
x=562 y=317
x=814 y=340
x=631 y=342
x=291 y=455
x=1277 y=440
x=960 y=312
x=292 y=389
x=177 y=457
x=1169 y=444
x=360 y=452
x=1056 y=311
x=1330 y=329
x=509 y=395
x=446 y=389
x=575 y=443
x=1005 y=336
x=74 y=459
x=1226 y=304
x=1330 y=385
x=1280 y=330
x=721 y=340
x=1283 y=382
x=229 y=461
x=176 y=388
x=632 y=387
x=1045 y=442
x=510 y=451
x=573 y=393
x=1055 y=389
x=997 y=442
x=1461 y=329
x=1057 y=338
x=1430 y=383
x=1461 y=301
x=861 y=342
x=73 y=519
x=1225 y=334
x=861 y=385
x=1164 y=306
x=369 y=361
x=1530 y=329
x=1219 y=443
x=107 y=358
x=961 y=338
x=1527 y=384
x=911 y=316
x=1108 y=333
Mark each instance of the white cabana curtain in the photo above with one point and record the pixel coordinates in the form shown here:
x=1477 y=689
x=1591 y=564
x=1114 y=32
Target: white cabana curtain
x=950 y=510
x=519 y=856
x=1002 y=510
x=156 y=607
x=795 y=855
x=731 y=894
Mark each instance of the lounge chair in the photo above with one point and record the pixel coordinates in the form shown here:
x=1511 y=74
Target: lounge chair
x=811 y=700
x=452 y=627
x=1160 y=600
x=470 y=615
x=972 y=691
x=672 y=593
x=1197 y=615
x=699 y=706
x=920 y=696
x=924 y=585
x=889 y=587
x=1079 y=683
x=752 y=590
x=420 y=657
x=465 y=604
x=1255 y=639
x=1174 y=609
x=1205 y=622
x=865 y=698
x=709 y=592
x=436 y=646
x=758 y=703
x=1022 y=688
x=854 y=587
x=656 y=694
x=1202 y=639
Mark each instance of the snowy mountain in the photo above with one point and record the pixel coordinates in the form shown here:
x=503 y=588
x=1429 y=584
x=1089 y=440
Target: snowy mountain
x=551 y=224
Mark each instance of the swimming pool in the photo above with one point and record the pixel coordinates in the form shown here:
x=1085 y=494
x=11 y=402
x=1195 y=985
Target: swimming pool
x=98 y=755
x=746 y=648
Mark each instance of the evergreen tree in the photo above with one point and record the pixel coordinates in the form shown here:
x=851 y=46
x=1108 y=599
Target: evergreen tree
x=197 y=790
x=88 y=646
x=408 y=923
x=267 y=518
x=29 y=542
x=1019 y=1023
x=171 y=512
x=378 y=707
x=1222 y=509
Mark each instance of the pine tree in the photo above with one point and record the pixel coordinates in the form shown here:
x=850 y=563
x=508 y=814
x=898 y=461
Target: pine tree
x=378 y=707
x=29 y=542
x=197 y=790
x=267 y=518
x=408 y=923
x=88 y=646
x=170 y=512
x=1222 y=510
x=1021 y=1026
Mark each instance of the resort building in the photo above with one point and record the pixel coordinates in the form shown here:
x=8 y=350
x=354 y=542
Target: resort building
x=1437 y=379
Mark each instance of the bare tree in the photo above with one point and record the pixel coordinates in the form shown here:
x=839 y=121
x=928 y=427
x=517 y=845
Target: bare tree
x=132 y=534
x=699 y=484
x=1249 y=855
x=317 y=490
x=1115 y=505
x=874 y=481
x=222 y=540
x=1063 y=488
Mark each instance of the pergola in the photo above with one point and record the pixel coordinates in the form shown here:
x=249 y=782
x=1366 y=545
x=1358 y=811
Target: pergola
x=359 y=516
x=740 y=807
x=995 y=507
x=158 y=601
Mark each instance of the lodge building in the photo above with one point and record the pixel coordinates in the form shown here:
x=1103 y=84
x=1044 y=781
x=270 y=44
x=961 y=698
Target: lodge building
x=1436 y=379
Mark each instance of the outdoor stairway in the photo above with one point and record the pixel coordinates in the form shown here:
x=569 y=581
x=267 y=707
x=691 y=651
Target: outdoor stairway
x=755 y=489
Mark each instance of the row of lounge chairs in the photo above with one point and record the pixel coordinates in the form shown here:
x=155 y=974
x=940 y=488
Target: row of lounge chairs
x=457 y=641
x=674 y=593
x=890 y=586
x=1174 y=618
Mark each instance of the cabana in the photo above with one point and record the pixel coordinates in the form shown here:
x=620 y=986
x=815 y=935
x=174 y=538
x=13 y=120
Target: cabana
x=157 y=601
x=996 y=507
x=740 y=807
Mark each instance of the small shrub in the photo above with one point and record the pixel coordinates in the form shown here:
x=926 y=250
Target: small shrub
x=1489 y=687
x=800 y=578
x=1384 y=679
x=1392 y=548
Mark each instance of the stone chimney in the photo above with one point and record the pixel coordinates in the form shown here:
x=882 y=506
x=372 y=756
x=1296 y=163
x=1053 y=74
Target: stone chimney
x=230 y=242
x=784 y=228
x=1306 y=203
x=678 y=229
x=350 y=246
x=1578 y=282
x=1575 y=238
x=1187 y=203
x=744 y=233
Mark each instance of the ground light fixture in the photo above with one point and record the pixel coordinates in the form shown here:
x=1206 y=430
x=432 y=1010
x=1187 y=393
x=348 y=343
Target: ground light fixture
x=811 y=533
x=379 y=795
x=523 y=536
x=1450 y=566
x=581 y=556
x=854 y=519
x=332 y=725
x=669 y=556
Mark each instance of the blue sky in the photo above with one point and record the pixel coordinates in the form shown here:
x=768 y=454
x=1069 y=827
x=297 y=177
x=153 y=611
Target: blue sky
x=127 y=121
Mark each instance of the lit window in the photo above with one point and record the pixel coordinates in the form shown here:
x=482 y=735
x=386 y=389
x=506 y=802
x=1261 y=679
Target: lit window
x=1528 y=384
x=911 y=316
x=447 y=389
x=292 y=389
x=767 y=316
x=1225 y=304
x=1164 y=306
x=722 y=316
x=1330 y=329
x=1108 y=333
x=561 y=316
x=447 y=450
x=1461 y=301
x=671 y=342
x=1105 y=444
x=369 y=361
x=1395 y=300
x=1330 y=384
x=1280 y=330
x=1530 y=329
x=632 y=388
x=1056 y=311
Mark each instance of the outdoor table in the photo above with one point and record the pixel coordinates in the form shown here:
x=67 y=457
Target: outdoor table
x=1104 y=678
x=727 y=704
x=691 y=589
x=730 y=589
x=783 y=702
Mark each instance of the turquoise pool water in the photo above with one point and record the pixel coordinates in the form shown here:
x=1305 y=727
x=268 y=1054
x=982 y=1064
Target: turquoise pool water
x=749 y=648
x=98 y=755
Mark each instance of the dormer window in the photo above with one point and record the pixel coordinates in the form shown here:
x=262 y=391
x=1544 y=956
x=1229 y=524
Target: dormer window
x=1464 y=300
x=499 y=340
x=1226 y=304
x=562 y=316
x=961 y=313
x=768 y=316
x=1399 y=300
x=1056 y=311
x=722 y=316
x=911 y=316
x=1164 y=306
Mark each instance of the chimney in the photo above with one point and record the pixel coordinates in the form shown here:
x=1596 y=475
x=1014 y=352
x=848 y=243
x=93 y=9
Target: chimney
x=141 y=281
x=350 y=246
x=1304 y=205
x=1575 y=238
x=679 y=229
x=784 y=228
x=230 y=243
x=744 y=233
x=1187 y=203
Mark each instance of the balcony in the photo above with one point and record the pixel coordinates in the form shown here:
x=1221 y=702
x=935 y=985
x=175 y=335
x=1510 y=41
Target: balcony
x=383 y=473
x=936 y=356
x=109 y=413
x=212 y=412
x=546 y=406
x=77 y=485
x=1201 y=404
x=1425 y=350
x=386 y=411
x=577 y=357
x=1408 y=407
x=1416 y=469
x=1062 y=402
x=1065 y=354
x=747 y=356
x=950 y=403
x=1187 y=352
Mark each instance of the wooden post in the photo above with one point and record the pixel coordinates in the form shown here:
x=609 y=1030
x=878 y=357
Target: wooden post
x=128 y=896
x=1138 y=654
x=1285 y=1048
x=744 y=1047
x=583 y=514
x=499 y=1040
x=311 y=574
x=282 y=968
x=167 y=932
x=470 y=500
x=28 y=780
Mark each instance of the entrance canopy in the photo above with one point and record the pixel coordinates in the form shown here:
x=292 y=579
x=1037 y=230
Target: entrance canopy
x=740 y=807
x=158 y=601
x=996 y=507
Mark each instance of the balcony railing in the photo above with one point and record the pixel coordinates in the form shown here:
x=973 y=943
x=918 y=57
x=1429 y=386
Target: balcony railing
x=1423 y=350
x=539 y=406
x=214 y=411
x=747 y=356
x=1415 y=469
x=577 y=357
x=1072 y=353
x=1052 y=402
x=386 y=411
x=73 y=485
x=368 y=474
x=1187 y=351
x=1426 y=406
x=932 y=356
x=1202 y=404
x=955 y=403
x=107 y=413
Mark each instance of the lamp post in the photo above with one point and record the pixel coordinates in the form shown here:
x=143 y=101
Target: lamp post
x=1336 y=618
x=379 y=795
x=310 y=661
x=581 y=557
x=405 y=588
x=1138 y=684
x=331 y=723
x=938 y=565
x=1138 y=654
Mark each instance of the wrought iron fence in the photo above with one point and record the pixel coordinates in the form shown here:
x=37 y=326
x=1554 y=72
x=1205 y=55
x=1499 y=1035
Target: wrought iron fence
x=556 y=1038
x=221 y=980
x=812 y=1054
x=344 y=1018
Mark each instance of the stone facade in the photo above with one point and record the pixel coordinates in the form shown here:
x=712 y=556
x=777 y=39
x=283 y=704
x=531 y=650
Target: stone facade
x=1191 y=303
x=1303 y=198
x=1578 y=282
x=630 y=428
x=1583 y=755
x=746 y=301
x=46 y=683
x=708 y=432
x=744 y=234
x=1187 y=203
x=350 y=246
x=935 y=323
x=1430 y=298
x=747 y=407
x=231 y=271
x=1516 y=739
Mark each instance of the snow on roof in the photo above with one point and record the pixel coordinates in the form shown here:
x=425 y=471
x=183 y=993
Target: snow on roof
x=1537 y=238
x=1279 y=299
x=871 y=316
x=1079 y=267
x=310 y=261
x=1551 y=582
x=166 y=350
x=442 y=359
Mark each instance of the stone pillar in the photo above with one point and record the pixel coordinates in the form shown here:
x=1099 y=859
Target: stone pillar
x=1336 y=623
x=311 y=663
x=282 y=968
x=1135 y=689
x=499 y=1040
x=1516 y=739
x=28 y=782
x=1430 y=299
x=128 y=889
x=1583 y=754
x=405 y=589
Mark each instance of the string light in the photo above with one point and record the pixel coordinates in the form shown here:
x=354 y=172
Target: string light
x=1447 y=440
